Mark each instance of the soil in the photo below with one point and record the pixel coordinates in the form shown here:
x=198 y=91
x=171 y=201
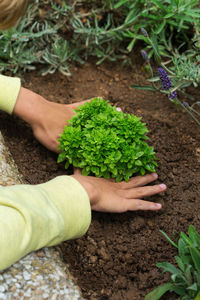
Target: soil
x=117 y=258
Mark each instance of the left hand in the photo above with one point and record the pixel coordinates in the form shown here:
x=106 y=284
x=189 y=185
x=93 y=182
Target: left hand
x=46 y=118
x=108 y=196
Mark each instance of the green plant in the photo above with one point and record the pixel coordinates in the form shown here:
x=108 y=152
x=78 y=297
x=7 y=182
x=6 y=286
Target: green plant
x=106 y=29
x=185 y=279
x=106 y=143
x=183 y=72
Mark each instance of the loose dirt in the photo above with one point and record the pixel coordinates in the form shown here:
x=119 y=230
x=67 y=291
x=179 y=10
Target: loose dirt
x=117 y=258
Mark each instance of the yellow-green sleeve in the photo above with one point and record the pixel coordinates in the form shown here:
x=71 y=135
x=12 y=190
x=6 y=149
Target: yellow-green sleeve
x=32 y=217
x=9 y=91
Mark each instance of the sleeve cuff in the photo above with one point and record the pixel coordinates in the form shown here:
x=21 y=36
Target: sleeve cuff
x=9 y=88
x=72 y=201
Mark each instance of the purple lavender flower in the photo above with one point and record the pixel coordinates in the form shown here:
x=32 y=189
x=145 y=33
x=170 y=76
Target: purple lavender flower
x=144 y=32
x=172 y=95
x=164 y=79
x=144 y=55
x=185 y=104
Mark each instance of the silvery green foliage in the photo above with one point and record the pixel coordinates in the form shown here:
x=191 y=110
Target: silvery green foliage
x=186 y=68
x=35 y=41
x=106 y=29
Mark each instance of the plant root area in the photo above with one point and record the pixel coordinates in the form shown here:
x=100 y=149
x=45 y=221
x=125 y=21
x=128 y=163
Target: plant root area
x=117 y=257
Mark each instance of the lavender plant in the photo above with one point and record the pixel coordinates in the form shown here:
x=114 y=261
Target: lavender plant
x=106 y=29
x=173 y=83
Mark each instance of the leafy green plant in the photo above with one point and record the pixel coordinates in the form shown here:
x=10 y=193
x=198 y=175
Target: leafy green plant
x=185 y=278
x=106 y=143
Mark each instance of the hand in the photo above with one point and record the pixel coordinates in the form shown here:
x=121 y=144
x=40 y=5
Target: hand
x=47 y=119
x=108 y=196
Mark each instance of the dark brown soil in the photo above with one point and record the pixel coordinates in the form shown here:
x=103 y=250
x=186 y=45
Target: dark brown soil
x=117 y=258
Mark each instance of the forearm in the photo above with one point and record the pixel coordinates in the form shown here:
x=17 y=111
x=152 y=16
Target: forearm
x=32 y=217
x=47 y=119
x=22 y=102
x=30 y=106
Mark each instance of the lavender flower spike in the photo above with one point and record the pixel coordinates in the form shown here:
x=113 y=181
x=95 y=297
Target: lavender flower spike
x=144 y=55
x=164 y=79
x=172 y=95
x=144 y=32
x=185 y=104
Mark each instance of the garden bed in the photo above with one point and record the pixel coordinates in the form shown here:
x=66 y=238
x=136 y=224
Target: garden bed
x=116 y=258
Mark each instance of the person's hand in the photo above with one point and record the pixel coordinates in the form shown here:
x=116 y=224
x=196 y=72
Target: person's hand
x=108 y=196
x=46 y=118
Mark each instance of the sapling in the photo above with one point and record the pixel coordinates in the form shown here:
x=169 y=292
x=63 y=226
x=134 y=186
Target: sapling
x=105 y=142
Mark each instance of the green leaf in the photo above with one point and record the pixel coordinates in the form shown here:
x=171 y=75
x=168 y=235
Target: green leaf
x=194 y=236
x=161 y=26
x=120 y=3
x=61 y=157
x=178 y=290
x=67 y=164
x=84 y=172
x=114 y=172
x=143 y=87
x=193 y=287
x=150 y=168
x=186 y=238
x=158 y=292
x=159 y=4
x=168 y=267
x=180 y=263
x=103 y=168
x=138 y=162
x=195 y=257
x=132 y=16
x=154 y=79
x=183 y=251
x=169 y=15
x=169 y=240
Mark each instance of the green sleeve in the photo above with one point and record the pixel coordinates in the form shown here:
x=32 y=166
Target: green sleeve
x=32 y=217
x=9 y=88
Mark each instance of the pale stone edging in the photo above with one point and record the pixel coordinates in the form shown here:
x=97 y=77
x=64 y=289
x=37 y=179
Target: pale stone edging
x=42 y=274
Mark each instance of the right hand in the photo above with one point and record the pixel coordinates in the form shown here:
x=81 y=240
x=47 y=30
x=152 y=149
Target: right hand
x=108 y=196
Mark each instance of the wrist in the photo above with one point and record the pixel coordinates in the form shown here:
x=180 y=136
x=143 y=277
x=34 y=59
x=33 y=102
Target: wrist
x=29 y=106
x=90 y=186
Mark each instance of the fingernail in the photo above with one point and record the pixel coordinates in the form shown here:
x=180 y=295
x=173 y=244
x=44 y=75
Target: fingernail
x=155 y=175
x=158 y=205
x=163 y=186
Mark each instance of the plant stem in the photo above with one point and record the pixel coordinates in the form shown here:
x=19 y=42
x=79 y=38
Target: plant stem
x=189 y=112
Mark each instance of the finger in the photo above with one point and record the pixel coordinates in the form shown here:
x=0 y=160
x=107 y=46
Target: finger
x=145 y=191
x=75 y=105
x=140 y=181
x=118 y=109
x=138 y=204
x=77 y=171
